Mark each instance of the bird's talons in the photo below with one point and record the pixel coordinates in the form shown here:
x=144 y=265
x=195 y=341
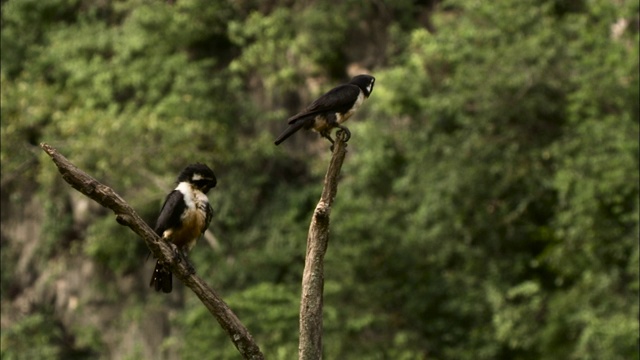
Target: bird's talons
x=190 y=268
x=344 y=134
x=181 y=257
x=326 y=135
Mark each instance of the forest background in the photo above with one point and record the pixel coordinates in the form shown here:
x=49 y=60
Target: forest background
x=488 y=205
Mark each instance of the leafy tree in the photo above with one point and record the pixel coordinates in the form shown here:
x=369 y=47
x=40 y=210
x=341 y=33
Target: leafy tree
x=489 y=202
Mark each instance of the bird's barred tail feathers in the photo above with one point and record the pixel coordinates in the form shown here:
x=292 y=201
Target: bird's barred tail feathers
x=161 y=278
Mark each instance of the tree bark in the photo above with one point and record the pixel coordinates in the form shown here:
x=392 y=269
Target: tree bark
x=310 y=346
x=125 y=215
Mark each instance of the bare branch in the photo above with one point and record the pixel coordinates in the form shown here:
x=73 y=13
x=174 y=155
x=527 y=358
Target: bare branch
x=310 y=346
x=125 y=215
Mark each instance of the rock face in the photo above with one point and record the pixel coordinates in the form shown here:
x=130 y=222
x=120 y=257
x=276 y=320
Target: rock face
x=87 y=306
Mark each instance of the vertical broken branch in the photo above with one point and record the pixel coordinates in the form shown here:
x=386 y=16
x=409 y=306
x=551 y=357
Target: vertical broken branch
x=310 y=346
x=125 y=215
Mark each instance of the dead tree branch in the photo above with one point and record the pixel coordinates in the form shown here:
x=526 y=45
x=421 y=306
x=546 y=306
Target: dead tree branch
x=125 y=215
x=310 y=346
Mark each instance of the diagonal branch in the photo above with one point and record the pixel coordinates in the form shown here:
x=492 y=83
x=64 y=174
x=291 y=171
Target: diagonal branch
x=125 y=215
x=310 y=346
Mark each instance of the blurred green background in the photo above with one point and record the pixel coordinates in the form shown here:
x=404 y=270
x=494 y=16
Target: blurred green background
x=488 y=205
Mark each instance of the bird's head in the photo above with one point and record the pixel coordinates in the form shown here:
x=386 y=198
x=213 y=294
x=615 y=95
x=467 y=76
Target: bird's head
x=200 y=176
x=364 y=82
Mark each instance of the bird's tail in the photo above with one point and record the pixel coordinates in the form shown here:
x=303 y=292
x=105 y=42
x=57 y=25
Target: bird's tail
x=161 y=278
x=297 y=125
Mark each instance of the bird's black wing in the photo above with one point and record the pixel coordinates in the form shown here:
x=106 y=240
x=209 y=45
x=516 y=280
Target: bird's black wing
x=171 y=211
x=208 y=218
x=339 y=99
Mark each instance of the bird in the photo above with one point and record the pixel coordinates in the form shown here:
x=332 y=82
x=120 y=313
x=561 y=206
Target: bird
x=331 y=109
x=184 y=217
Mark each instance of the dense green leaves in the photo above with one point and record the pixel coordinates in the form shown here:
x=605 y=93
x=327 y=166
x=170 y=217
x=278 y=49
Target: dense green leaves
x=488 y=206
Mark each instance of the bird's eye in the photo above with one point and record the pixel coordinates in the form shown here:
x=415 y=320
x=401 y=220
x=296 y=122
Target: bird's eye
x=203 y=183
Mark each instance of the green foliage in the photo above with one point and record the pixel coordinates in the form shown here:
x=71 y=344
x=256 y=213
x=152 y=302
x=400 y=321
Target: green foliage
x=471 y=186
x=488 y=206
x=41 y=336
x=118 y=248
x=33 y=337
x=288 y=45
x=270 y=312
